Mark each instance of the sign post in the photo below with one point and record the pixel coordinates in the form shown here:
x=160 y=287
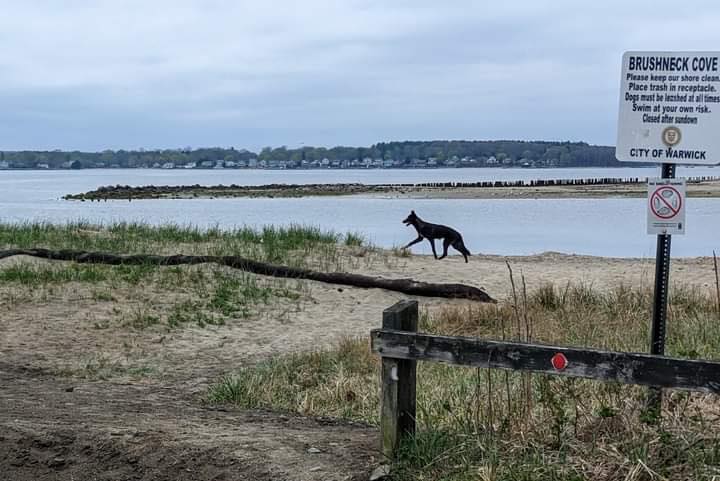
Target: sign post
x=660 y=296
x=669 y=105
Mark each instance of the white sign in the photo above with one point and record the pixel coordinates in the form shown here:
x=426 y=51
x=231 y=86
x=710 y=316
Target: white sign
x=666 y=206
x=669 y=108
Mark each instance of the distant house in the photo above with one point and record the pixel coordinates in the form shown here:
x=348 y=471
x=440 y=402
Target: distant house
x=43 y=166
x=4 y=164
x=190 y=165
x=168 y=165
x=207 y=164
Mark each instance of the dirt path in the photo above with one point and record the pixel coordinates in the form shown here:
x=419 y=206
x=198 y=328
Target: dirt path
x=54 y=429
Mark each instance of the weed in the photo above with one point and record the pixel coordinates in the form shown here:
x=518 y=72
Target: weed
x=141 y=318
x=354 y=239
x=103 y=296
x=333 y=382
x=271 y=243
x=35 y=275
x=490 y=424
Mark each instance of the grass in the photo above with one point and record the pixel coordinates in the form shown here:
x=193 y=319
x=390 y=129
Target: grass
x=294 y=245
x=132 y=237
x=333 y=383
x=223 y=296
x=207 y=296
x=35 y=275
x=270 y=243
x=497 y=425
x=354 y=239
x=32 y=275
x=201 y=296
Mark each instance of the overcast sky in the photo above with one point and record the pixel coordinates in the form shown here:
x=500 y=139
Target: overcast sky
x=94 y=75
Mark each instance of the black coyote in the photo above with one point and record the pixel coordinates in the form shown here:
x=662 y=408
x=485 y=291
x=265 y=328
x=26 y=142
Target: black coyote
x=429 y=231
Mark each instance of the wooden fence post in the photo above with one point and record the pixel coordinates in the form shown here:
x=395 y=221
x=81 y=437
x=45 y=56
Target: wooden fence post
x=397 y=411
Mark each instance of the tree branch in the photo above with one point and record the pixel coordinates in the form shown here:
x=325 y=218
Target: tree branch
x=406 y=286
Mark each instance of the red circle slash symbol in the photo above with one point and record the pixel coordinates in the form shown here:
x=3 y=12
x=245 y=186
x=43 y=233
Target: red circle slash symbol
x=666 y=202
x=559 y=361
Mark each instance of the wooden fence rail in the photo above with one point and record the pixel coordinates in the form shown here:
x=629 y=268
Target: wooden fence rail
x=401 y=346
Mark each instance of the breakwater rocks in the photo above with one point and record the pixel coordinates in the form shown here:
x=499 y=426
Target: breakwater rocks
x=126 y=192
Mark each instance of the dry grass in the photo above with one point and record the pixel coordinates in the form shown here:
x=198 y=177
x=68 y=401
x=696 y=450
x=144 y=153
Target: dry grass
x=495 y=425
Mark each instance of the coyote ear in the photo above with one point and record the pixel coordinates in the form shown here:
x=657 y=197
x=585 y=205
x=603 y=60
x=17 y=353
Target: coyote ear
x=412 y=212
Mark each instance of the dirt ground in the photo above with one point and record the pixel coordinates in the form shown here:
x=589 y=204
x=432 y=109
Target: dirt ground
x=84 y=398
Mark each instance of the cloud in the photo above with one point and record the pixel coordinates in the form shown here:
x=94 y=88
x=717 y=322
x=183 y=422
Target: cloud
x=112 y=74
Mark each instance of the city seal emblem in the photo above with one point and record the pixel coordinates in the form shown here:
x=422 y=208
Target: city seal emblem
x=671 y=136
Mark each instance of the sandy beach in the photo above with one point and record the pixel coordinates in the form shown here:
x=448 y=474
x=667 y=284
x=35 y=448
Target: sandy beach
x=46 y=321
x=709 y=189
x=83 y=392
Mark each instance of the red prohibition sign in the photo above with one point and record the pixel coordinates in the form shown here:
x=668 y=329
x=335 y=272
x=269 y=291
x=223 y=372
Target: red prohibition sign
x=661 y=206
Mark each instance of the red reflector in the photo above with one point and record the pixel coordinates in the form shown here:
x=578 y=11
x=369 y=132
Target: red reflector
x=559 y=361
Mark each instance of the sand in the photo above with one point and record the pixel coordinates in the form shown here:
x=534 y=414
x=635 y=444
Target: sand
x=81 y=394
x=37 y=326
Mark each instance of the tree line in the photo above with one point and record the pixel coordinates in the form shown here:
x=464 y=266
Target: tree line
x=383 y=154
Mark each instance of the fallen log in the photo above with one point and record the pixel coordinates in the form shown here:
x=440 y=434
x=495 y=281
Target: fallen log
x=406 y=286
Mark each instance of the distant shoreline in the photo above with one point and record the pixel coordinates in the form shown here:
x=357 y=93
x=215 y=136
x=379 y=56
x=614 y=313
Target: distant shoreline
x=704 y=187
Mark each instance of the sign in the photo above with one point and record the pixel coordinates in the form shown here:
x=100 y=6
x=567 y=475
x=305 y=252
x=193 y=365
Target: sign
x=669 y=108
x=666 y=206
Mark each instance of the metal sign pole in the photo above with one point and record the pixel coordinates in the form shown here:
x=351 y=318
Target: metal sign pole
x=662 y=284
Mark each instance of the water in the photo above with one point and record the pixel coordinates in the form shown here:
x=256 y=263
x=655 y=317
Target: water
x=606 y=227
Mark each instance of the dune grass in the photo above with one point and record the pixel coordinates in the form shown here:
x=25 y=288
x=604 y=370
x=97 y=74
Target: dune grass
x=202 y=296
x=206 y=296
x=496 y=425
x=294 y=245
x=270 y=243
